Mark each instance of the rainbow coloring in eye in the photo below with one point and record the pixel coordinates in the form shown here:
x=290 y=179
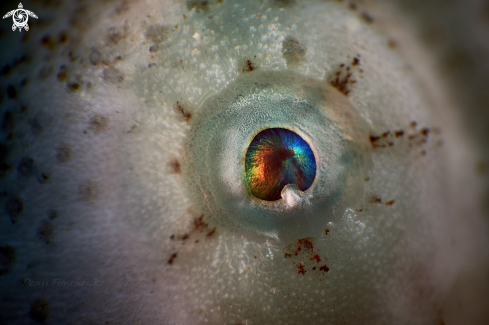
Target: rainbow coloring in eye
x=275 y=158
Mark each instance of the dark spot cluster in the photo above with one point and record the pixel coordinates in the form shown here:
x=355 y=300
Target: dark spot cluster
x=379 y=201
x=157 y=34
x=175 y=166
x=305 y=258
x=200 y=230
x=201 y=5
x=183 y=111
x=343 y=77
x=247 y=65
x=113 y=75
x=412 y=136
x=292 y=51
x=98 y=123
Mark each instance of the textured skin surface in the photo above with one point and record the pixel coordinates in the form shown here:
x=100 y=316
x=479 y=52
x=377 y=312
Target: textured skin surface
x=106 y=213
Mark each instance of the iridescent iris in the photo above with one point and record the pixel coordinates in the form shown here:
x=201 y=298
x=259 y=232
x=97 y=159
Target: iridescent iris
x=277 y=157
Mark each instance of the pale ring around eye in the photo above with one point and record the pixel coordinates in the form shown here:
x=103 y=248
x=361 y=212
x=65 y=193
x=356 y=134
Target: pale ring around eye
x=313 y=110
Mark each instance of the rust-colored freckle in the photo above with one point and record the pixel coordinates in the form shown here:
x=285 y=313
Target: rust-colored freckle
x=300 y=269
x=298 y=249
x=356 y=61
x=185 y=114
x=211 y=233
x=172 y=258
x=377 y=200
x=175 y=166
x=326 y=230
x=414 y=124
x=391 y=202
x=199 y=223
x=315 y=257
x=399 y=133
x=308 y=243
x=324 y=268
x=185 y=237
x=425 y=132
x=287 y=255
x=386 y=134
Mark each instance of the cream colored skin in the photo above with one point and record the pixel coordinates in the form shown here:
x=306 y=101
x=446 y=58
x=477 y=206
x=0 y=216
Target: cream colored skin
x=118 y=200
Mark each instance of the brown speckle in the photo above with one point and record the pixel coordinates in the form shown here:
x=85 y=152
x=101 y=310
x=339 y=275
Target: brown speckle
x=392 y=43
x=175 y=166
x=355 y=62
x=248 y=65
x=113 y=38
x=481 y=168
x=211 y=233
x=377 y=200
x=47 y=42
x=98 y=123
x=87 y=192
x=425 y=132
x=172 y=258
x=73 y=86
x=199 y=5
x=399 y=133
x=391 y=202
x=62 y=73
x=367 y=17
x=352 y=6
x=326 y=230
x=292 y=51
x=63 y=154
x=14 y=207
x=113 y=75
x=63 y=37
x=184 y=113
x=45 y=231
x=157 y=33
x=414 y=124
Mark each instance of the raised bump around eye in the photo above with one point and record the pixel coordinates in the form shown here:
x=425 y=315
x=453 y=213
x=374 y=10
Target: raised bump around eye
x=324 y=121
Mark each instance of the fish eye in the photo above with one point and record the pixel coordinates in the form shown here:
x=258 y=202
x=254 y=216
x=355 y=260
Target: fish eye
x=230 y=162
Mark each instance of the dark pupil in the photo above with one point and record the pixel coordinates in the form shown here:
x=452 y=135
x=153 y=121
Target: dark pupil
x=275 y=158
